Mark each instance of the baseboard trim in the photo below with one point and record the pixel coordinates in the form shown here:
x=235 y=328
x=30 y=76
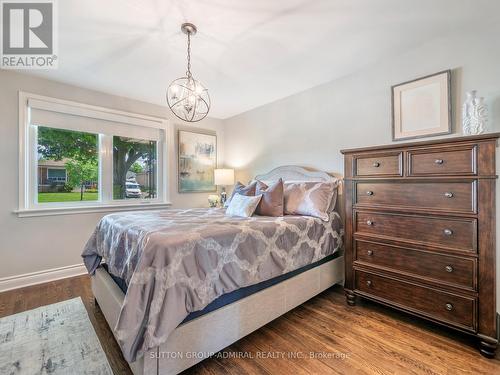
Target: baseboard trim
x=39 y=277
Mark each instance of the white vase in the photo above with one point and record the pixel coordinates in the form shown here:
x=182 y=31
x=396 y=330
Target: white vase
x=474 y=114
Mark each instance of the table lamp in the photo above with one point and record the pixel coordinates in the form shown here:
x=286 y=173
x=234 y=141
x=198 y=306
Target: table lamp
x=223 y=177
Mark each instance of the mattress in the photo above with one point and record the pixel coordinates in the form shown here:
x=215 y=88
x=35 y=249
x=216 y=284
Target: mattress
x=237 y=294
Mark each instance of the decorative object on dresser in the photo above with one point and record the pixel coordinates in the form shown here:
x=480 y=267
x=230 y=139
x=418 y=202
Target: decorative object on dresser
x=422 y=107
x=197 y=161
x=223 y=177
x=474 y=114
x=420 y=231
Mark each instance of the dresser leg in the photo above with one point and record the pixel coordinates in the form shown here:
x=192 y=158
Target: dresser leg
x=350 y=297
x=488 y=348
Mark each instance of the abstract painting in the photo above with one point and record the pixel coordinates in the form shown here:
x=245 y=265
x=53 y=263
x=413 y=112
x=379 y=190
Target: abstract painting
x=197 y=161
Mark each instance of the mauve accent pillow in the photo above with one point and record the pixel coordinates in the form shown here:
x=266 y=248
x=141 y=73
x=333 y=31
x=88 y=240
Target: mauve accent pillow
x=309 y=198
x=273 y=200
x=239 y=188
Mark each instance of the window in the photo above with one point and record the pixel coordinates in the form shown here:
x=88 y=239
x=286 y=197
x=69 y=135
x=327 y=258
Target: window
x=134 y=168
x=84 y=157
x=71 y=161
x=57 y=175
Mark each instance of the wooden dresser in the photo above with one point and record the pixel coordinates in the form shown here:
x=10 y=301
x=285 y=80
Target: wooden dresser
x=420 y=231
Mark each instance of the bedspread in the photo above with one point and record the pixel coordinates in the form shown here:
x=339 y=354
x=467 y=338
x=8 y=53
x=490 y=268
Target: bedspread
x=178 y=261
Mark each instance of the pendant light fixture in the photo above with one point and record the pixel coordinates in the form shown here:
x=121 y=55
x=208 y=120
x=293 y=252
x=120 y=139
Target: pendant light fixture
x=187 y=98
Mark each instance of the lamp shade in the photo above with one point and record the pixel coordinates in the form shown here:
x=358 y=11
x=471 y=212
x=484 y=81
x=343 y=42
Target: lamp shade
x=224 y=176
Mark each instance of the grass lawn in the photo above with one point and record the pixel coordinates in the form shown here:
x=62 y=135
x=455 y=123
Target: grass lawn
x=66 y=197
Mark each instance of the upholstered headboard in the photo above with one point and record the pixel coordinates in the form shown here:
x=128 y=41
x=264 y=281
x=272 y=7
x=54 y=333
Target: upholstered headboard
x=290 y=173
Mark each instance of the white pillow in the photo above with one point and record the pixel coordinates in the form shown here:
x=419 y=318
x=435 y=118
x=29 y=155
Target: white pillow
x=243 y=206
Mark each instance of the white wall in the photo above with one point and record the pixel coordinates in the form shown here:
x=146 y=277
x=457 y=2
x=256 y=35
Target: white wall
x=310 y=128
x=39 y=243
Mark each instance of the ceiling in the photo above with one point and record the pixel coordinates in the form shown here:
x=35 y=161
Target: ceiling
x=248 y=53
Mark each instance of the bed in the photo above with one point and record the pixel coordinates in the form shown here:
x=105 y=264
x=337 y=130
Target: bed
x=306 y=258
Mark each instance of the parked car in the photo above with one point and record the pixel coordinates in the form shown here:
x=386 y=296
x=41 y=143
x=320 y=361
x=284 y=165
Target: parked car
x=132 y=190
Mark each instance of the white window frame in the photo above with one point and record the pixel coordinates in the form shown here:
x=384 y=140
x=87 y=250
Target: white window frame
x=28 y=179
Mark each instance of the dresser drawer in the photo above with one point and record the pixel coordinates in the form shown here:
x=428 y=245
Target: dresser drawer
x=446 y=307
x=447 y=269
x=386 y=164
x=447 y=233
x=444 y=161
x=443 y=196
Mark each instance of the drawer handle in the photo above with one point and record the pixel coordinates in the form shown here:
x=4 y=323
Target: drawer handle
x=369 y=283
x=449 y=269
x=369 y=192
x=370 y=252
x=439 y=161
x=449 y=306
x=376 y=164
x=448 y=232
x=369 y=222
x=448 y=194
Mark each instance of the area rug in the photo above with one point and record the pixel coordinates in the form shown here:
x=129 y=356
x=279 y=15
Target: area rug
x=54 y=340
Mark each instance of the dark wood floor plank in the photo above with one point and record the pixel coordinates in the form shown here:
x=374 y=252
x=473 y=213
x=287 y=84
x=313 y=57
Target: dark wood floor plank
x=275 y=352
x=373 y=338
x=374 y=341
x=364 y=362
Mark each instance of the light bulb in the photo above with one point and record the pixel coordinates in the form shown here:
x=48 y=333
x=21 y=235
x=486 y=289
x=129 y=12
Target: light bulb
x=191 y=84
x=174 y=89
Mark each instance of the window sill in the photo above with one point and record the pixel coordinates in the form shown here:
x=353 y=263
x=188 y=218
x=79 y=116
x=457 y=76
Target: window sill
x=51 y=211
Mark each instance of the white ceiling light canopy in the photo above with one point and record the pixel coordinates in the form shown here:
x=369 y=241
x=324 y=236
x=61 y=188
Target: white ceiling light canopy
x=186 y=97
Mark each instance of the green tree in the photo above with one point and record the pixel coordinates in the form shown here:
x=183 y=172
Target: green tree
x=80 y=172
x=57 y=144
x=137 y=168
x=126 y=152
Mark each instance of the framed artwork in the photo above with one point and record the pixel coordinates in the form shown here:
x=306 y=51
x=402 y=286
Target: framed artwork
x=197 y=161
x=422 y=107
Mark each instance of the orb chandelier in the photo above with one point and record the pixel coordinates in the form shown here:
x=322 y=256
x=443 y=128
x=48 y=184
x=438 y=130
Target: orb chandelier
x=187 y=98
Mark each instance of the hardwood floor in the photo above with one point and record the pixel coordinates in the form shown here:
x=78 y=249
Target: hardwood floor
x=323 y=336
